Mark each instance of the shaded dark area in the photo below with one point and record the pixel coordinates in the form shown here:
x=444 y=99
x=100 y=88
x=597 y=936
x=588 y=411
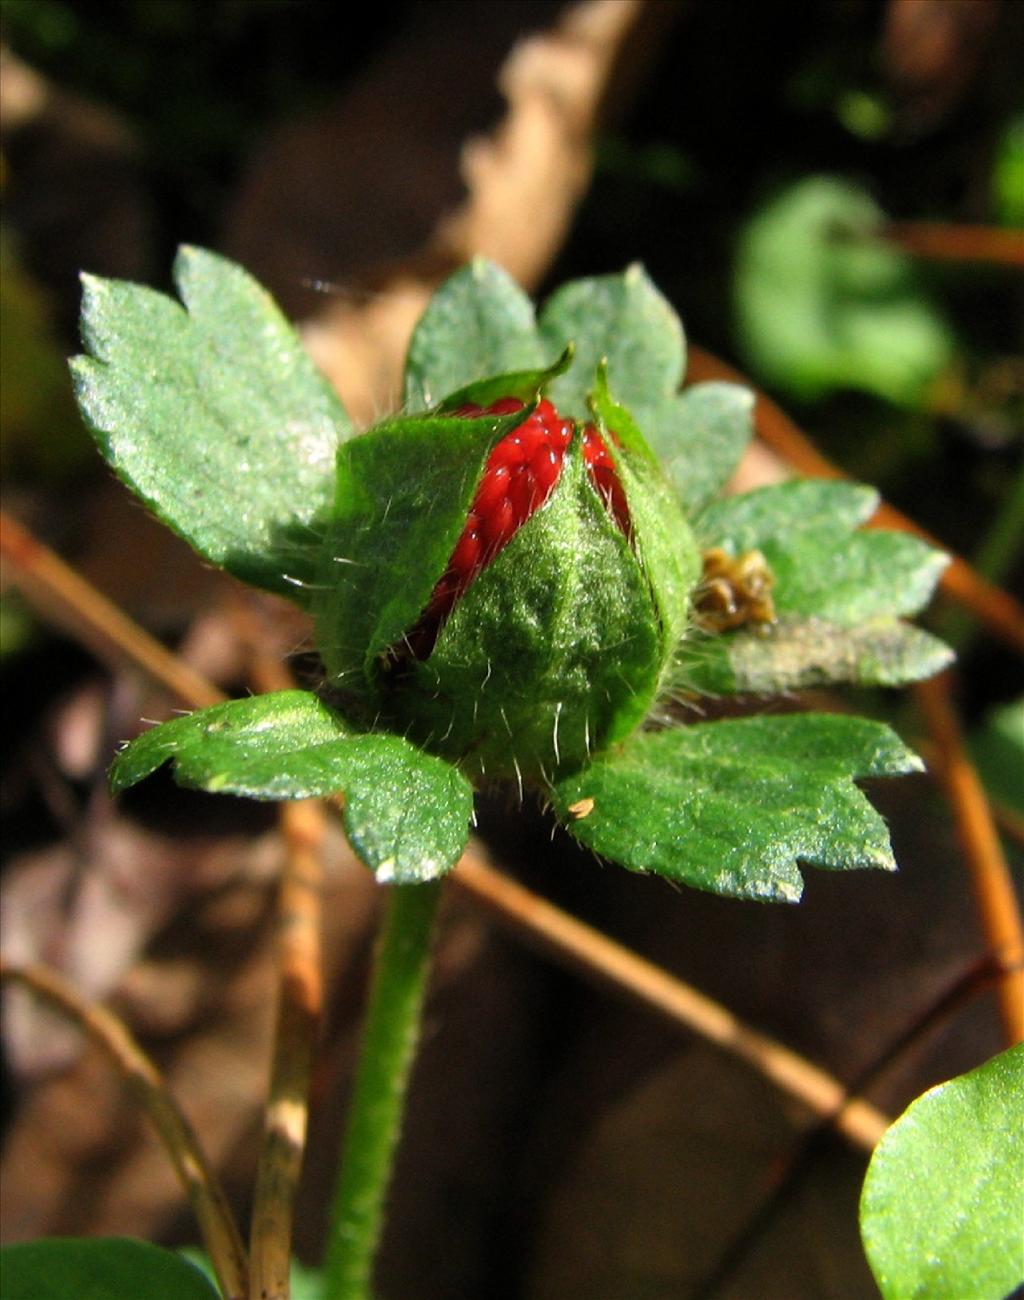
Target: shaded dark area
x=561 y=1142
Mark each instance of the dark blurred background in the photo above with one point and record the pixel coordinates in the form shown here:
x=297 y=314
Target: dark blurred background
x=561 y=1143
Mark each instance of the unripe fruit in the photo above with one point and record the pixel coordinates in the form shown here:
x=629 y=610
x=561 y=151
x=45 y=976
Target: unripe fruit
x=543 y=575
x=518 y=478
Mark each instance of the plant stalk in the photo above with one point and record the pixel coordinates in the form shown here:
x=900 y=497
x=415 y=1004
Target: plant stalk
x=390 y=1035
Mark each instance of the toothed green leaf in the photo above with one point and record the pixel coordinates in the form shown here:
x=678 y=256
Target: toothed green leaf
x=699 y=437
x=732 y=806
x=479 y=323
x=794 y=654
x=213 y=413
x=406 y=813
x=822 y=569
x=623 y=320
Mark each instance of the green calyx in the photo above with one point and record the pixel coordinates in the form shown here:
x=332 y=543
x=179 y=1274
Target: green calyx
x=556 y=649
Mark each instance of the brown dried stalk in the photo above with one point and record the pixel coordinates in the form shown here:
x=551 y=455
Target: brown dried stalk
x=995 y=898
x=299 y=1011
x=598 y=956
x=944 y=242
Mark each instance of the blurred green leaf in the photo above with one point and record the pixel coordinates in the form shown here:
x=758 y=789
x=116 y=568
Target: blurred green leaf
x=1008 y=175
x=824 y=303
x=98 y=1268
x=942 y=1212
x=998 y=750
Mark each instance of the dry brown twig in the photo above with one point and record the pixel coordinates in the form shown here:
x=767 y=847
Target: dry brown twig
x=996 y=901
x=201 y=1185
x=940 y=241
x=299 y=1011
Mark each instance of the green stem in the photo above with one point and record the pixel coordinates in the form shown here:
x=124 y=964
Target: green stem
x=390 y=1035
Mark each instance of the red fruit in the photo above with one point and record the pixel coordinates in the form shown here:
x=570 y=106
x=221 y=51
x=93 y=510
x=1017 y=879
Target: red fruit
x=519 y=476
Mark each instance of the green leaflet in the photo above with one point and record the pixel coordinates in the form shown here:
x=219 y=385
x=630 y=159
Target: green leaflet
x=478 y=323
x=699 y=436
x=943 y=1203
x=822 y=569
x=997 y=747
x=214 y=415
x=794 y=654
x=731 y=806
x=622 y=320
x=406 y=812
x=99 y=1268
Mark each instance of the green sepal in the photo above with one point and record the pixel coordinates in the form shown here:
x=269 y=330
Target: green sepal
x=943 y=1203
x=554 y=650
x=822 y=568
x=214 y=414
x=527 y=385
x=478 y=323
x=404 y=490
x=406 y=813
x=662 y=538
x=731 y=806
x=796 y=654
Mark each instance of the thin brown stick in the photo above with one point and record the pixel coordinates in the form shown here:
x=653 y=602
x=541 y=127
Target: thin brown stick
x=996 y=608
x=201 y=1185
x=1009 y=821
x=68 y=600
x=299 y=1010
x=995 y=898
x=597 y=955
x=944 y=242
x=533 y=915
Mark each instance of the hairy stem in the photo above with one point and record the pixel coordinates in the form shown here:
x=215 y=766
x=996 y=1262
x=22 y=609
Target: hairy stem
x=390 y=1035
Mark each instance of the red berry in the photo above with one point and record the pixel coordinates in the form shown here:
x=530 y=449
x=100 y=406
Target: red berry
x=519 y=476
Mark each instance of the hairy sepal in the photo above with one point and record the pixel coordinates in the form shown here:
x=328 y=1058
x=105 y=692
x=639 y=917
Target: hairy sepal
x=555 y=650
x=662 y=538
x=403 y=492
